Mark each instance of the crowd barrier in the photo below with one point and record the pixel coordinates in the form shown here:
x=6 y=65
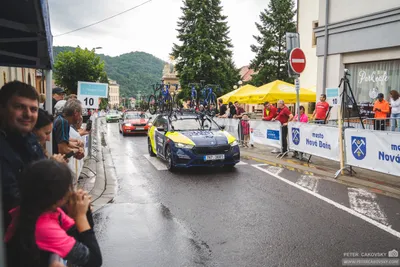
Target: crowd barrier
x=375 y=150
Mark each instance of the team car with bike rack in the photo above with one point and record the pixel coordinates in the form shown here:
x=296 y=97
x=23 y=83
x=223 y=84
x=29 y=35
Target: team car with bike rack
x=190 y=140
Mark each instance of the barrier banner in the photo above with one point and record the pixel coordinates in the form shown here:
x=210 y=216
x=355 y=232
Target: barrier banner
x=266 y=133
x=314 y=139
x=373 y=150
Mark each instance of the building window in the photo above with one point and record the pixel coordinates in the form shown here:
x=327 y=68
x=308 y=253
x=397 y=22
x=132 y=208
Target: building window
x=369 y=79
x=4 y=77
x=314 y=39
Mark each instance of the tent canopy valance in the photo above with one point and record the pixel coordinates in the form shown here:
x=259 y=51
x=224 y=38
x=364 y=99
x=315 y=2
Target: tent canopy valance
x=26 y=39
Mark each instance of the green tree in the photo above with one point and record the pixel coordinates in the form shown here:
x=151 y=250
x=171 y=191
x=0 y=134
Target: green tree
x=79 y=65
x=271 y=61
x=205 y=49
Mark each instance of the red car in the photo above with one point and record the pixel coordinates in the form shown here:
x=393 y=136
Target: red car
x=134 y=123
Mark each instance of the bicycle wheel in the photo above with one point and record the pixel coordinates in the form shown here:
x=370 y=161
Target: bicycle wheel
x=152 y=105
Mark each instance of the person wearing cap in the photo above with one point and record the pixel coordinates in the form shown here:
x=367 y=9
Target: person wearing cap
x=381 y=109
x=58 y=94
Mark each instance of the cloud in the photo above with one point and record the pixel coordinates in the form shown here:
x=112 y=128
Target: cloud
x=150 y=28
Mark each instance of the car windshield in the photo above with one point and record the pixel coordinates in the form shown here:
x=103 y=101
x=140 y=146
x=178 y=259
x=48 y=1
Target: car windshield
x=113 y=112
x=193 y=125
x=132 y=116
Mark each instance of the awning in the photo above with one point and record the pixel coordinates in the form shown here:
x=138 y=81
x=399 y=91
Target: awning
x=279 y=90
x=26 y=39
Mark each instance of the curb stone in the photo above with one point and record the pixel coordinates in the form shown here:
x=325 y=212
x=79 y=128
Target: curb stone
x=343 y=179
x=105 y=185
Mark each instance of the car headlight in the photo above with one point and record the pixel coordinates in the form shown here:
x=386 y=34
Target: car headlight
x=180 y=145
x=127 y=124
x=234 y=143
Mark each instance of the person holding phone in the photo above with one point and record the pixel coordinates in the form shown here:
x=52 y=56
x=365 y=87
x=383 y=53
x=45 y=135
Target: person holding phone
x=40 y=228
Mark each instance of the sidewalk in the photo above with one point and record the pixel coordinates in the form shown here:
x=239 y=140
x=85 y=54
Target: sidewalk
x=98 y=173
x=374 y=181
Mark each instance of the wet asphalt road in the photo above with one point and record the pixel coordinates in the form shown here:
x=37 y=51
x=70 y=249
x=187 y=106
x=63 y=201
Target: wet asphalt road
x=247 y=217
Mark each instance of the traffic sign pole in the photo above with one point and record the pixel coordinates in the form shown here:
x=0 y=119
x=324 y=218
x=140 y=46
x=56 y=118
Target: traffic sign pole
x=297 y=61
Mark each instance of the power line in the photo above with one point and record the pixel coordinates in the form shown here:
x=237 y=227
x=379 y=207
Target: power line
x=90 y=25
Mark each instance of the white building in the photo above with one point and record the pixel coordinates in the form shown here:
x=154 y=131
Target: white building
x=360 y=35
x=113 y=93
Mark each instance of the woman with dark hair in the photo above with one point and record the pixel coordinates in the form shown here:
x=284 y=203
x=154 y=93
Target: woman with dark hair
x=395 y=115
x=43 y=127
x=40 y=228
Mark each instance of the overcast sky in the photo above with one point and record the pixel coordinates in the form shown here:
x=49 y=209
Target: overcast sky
x=150 y=28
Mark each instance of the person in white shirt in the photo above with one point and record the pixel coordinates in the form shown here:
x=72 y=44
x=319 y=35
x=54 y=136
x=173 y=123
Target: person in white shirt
x=395 y=114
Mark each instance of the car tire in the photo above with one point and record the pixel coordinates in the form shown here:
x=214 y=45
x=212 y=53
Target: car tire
x=123 y=134
x=170 y=162
x=151 y=153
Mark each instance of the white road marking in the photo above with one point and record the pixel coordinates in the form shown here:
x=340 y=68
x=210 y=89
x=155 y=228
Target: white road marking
x=333 y=203
x=364 y=202
x=157 y=163
x=272 y=169
x=308 y=182
x=241 y=163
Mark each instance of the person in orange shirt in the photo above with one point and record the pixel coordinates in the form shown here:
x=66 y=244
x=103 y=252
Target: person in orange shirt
x=381 y=109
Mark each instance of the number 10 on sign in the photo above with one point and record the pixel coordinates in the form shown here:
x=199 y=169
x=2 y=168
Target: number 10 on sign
x=87 y=101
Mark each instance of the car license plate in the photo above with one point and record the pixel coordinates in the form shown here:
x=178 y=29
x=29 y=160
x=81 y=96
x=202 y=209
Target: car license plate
x=139 y=128
x=214 y=157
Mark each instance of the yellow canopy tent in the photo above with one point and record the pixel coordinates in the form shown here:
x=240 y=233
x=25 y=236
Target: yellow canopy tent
x=279 y=90
x=242 y=91
x=225 y=98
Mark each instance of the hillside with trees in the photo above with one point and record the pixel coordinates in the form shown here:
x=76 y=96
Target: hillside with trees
x=135 y=72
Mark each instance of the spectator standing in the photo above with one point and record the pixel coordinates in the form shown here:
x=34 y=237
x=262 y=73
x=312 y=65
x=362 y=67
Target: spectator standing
x=304 y=119
x=232 y=110
x=395 y=115
x=269 y=112
x=303 y=115
x=71 y=115
x=42 y=100
x=43 y=128
x=19 y=104
x=239 y=110
x=245 y=130
x=284 y=116
x=58 y=94
x=222 y=109
x=381 y=109
x=321 y=110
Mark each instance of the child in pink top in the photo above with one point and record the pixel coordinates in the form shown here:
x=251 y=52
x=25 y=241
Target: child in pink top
x=40 y=228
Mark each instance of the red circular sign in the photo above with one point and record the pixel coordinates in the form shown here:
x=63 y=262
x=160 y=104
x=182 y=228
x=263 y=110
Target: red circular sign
x=297 y=60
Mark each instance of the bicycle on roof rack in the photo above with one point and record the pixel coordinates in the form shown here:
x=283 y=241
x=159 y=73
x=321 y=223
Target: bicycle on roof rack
x=161 y=101
x=193 y=93
x=208 y=97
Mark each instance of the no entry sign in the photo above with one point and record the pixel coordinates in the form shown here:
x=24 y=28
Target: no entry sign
x=297 y=60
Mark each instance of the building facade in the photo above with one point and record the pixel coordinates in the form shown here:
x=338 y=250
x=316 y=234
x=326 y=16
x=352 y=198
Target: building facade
x=8 y=74
x=360 y=36
x=113 y=94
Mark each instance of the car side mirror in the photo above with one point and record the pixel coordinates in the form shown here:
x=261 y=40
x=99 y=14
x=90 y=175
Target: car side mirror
x=160 y=129
x=223 y=127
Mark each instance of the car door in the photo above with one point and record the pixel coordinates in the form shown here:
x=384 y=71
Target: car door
x=161 y=129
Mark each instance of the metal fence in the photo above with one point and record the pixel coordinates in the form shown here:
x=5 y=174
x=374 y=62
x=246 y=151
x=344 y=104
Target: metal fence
x=377 y=124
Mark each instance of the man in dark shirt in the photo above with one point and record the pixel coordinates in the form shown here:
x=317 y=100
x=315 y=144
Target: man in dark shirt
x=19 y=104
x=62 y=143
x=222 y=108
x=58 y=94
x=284 y=116
x=239 y=110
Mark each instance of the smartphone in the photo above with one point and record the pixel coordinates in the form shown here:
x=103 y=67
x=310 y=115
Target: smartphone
x=88 y=125
x=70 y=154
